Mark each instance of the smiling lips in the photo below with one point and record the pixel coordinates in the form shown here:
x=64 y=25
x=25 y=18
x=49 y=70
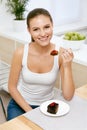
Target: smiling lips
x=54 y=53
x=44 y=38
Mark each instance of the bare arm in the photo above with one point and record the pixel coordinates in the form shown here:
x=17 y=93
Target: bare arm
x=67 y=82
x=16 y=67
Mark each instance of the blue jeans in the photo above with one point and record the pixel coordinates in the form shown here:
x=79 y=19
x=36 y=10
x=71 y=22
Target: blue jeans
x=14 y=110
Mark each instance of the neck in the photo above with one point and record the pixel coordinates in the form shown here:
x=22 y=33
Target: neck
x=43 y=50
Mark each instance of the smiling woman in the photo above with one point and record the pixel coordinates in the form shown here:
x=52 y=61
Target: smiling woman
x=37 y=68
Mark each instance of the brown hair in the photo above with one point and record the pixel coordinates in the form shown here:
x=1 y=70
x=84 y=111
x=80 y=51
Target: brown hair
x=36 y=12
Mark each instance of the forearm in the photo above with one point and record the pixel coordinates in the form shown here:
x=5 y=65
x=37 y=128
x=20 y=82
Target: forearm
x=19 y=99
x=68 y=86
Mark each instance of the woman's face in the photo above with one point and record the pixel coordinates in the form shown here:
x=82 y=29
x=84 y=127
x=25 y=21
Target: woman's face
x=41 y=29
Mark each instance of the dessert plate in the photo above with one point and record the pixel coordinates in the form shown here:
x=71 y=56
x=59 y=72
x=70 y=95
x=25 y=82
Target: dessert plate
x=63 y=108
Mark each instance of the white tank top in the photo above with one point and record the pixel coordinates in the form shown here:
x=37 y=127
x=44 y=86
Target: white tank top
x=37 y=87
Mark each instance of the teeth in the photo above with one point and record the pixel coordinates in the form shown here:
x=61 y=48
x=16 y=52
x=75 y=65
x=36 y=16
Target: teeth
x=43 y=39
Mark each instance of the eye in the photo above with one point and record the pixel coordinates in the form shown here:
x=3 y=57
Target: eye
x=47 y=26
x=35 y=29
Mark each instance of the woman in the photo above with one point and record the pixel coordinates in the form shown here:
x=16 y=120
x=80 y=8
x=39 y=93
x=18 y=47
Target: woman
x=37 y=68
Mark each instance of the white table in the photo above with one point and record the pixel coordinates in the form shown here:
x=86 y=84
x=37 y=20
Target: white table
x=76 y=119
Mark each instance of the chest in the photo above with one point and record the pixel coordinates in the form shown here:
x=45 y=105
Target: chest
x=40 y=64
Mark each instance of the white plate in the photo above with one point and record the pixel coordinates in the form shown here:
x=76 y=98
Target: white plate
x=62 y=110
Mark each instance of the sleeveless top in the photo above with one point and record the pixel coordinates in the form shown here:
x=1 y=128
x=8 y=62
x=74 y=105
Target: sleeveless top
x=37 y=87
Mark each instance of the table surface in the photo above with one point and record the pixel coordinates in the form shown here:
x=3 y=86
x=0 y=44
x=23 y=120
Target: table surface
x=20 y=123
x=76 y=119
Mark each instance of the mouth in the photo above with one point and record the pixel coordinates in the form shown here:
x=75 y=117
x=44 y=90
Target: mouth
x=43 y=39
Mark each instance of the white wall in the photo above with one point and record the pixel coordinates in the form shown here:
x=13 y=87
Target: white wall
x=38 y=4
x=62 y=11
x=83 y=11
x=5 y=18
x=65 y=11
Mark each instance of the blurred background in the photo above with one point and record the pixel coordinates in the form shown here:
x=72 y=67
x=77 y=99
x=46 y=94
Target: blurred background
x=63 y=11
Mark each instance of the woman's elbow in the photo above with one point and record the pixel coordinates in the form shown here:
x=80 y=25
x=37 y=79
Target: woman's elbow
x=68 y=96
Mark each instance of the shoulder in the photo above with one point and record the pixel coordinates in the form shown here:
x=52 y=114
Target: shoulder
x=19 y=51
x=18 y=54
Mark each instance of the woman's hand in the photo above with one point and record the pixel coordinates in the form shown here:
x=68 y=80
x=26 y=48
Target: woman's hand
x=66 y=56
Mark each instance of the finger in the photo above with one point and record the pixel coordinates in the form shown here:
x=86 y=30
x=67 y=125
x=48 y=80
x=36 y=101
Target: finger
x=61 y=50
x=70 y=51
x=66 y=55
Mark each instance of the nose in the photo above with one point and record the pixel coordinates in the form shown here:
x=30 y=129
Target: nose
x=42 y=32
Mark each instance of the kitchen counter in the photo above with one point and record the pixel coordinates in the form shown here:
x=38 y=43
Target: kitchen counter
x=80 y=56
x=22 y=37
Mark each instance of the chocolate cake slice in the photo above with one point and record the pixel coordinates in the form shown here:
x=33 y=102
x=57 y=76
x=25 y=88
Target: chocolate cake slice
x=52 y=108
